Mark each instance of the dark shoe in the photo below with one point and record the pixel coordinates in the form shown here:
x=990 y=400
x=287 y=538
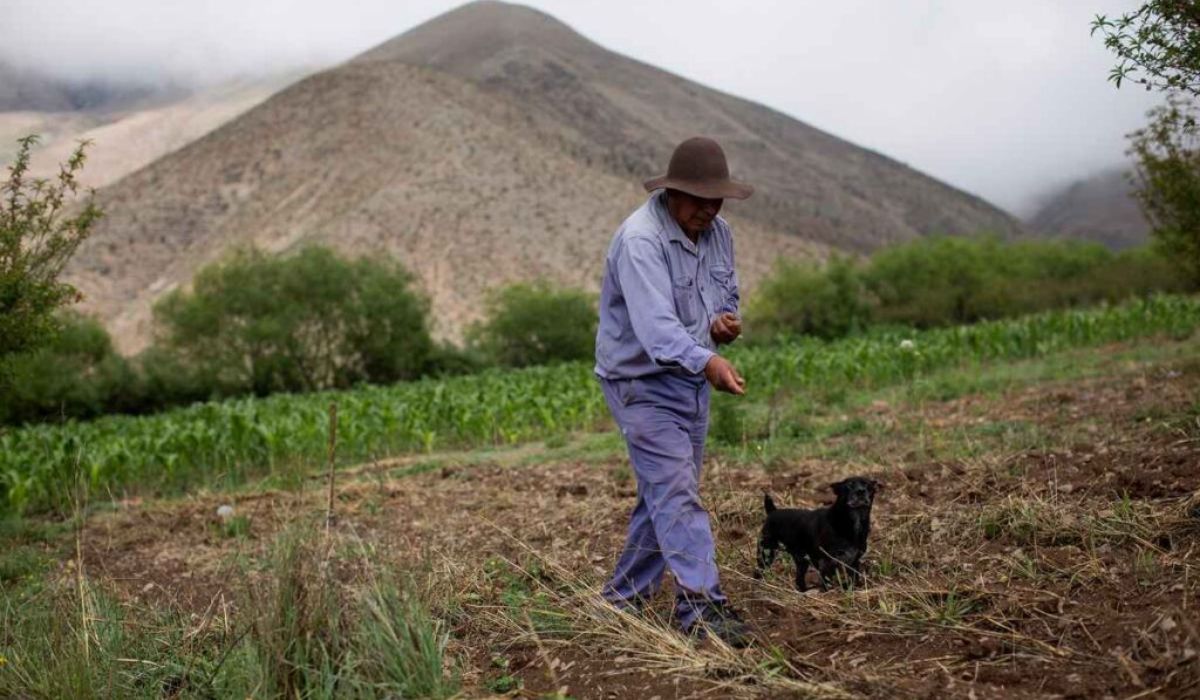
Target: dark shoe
x=633 y=606
x=723 y=622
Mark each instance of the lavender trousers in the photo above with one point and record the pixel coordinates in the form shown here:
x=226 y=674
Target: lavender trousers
x=664 y=419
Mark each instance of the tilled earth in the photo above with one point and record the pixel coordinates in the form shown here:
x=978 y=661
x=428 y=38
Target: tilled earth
x=1063 y=569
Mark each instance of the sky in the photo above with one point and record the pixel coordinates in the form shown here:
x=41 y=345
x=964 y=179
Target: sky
x=1005 y=100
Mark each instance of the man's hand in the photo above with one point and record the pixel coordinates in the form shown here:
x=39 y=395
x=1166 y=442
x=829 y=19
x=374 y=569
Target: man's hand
x=721 y=374
x=726 y=328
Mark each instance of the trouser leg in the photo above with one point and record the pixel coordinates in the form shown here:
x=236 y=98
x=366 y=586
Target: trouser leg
x=685 y=600
x=640 y=568
x=663 y=422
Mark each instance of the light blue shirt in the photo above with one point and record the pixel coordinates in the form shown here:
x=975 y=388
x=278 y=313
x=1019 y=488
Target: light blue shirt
x=661 y=293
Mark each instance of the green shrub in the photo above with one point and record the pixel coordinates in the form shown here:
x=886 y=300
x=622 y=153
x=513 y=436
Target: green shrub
x=941 y=281
x=310 y=321
x=167 y=380
x=1167 y=153
x=826 y=302
x=536 y=324
x=448 y=360
x=77 y=374
x=936 y=281
x=39 y=232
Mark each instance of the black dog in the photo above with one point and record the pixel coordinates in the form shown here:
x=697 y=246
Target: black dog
x=833 y=538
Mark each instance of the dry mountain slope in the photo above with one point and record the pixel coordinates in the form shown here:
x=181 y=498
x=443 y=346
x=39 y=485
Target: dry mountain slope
x=1099 y=208
x=625 y=116
x=489 y=145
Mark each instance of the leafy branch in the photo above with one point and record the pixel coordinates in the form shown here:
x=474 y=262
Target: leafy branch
x=1157 y=45
x=40 y=228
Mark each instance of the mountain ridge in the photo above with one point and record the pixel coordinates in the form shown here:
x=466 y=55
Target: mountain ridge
x=1099 y=207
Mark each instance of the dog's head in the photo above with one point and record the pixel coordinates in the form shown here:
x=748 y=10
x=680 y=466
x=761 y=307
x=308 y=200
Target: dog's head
x=856 y=492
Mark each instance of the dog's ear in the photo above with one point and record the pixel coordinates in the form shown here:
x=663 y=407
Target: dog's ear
x=838 y=487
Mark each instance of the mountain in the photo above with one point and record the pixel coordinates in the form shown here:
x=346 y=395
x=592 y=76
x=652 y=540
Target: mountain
x=1098 y=208
x=24 y=90
x=130 y=129
x=489 y=145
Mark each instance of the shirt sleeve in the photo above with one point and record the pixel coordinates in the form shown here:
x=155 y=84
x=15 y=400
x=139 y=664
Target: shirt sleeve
x=733 y=296
x=646 y=286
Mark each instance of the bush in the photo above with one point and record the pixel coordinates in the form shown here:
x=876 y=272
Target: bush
x=77 y=375
x=448 y=360
x=804 y=298
x=536 y=324
x=1167 y=153
x=38 y=235
x=942 y=281
x=168 y=380
x=306 y=322
x=937 y=281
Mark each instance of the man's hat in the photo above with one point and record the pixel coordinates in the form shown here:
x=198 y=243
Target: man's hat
x=698 y=167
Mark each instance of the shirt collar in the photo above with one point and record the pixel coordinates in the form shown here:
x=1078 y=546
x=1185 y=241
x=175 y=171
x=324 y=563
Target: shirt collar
x=674 y=232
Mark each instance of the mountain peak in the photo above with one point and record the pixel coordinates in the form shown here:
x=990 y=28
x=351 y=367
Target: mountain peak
x=471 y=33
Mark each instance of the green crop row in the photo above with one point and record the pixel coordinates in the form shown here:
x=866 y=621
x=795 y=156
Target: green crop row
x=223 y=444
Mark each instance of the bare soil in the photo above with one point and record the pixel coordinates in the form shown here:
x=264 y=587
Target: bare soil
x=1063 y=570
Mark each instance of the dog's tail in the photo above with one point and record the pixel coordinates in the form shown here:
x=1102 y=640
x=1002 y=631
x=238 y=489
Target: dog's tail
x=768 y=504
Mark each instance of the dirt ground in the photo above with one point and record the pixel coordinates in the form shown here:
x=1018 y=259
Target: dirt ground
x=1058 y=566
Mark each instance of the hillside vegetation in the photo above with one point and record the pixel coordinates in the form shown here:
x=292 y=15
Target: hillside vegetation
x=361 y=321
x=942 y=281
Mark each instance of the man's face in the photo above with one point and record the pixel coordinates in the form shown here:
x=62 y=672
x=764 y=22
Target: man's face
x=694 y=214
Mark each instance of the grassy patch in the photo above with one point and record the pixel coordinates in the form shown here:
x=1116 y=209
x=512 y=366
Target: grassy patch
x=28 y=547
x=18 y=563
x=317 y=621
x=1034 y=520
x=525 y=595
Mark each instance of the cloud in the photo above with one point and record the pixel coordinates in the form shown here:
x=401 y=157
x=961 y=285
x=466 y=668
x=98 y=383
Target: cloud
x=1002 y=100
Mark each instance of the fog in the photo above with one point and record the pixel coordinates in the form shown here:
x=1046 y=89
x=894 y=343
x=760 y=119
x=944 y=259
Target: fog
x=1002 y=100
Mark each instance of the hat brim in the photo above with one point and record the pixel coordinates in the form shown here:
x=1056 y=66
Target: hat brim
x=721 y=189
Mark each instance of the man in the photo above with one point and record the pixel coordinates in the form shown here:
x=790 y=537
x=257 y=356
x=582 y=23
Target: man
x=669 y=297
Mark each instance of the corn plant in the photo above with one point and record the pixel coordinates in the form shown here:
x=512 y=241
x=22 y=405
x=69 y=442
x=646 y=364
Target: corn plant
x=227 y=443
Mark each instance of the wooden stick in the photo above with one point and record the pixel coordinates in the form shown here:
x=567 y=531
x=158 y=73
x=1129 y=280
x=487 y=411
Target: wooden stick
x=332 y=452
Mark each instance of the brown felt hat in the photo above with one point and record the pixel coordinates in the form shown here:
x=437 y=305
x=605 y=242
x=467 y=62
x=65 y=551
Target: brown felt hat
x=698 y=167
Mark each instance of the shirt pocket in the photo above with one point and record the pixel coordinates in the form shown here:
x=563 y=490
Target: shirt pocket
x=684 y=290
x=721 y=276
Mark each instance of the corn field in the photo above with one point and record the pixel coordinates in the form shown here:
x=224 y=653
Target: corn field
x=228 y=443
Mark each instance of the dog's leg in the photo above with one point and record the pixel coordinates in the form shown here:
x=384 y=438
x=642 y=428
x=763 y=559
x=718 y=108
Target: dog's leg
x=836 y=569
x=801 y=561
x=827 y=568
x=856 y=574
